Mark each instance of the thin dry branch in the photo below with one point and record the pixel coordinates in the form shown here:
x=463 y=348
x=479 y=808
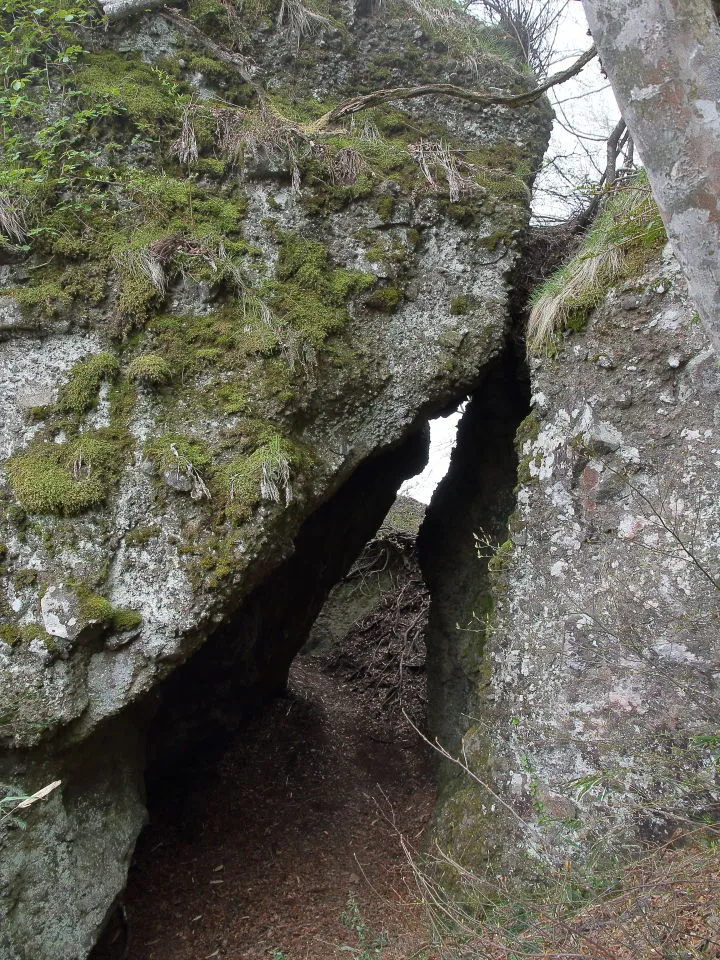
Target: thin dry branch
x=533 y=26
x=235 y=61
x=485 y=98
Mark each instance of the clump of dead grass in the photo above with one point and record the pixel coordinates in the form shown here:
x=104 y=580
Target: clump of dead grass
x=625 y=235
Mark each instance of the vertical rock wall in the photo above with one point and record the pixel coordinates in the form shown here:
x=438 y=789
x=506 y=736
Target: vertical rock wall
x=603 y=661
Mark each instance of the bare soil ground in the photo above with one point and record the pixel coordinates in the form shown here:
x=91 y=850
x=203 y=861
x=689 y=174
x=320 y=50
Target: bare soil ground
x=288 y=847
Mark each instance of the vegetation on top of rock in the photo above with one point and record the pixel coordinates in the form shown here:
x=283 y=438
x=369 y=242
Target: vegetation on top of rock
x=459 y=305
x=125 y=618
x=69 y=477
x=120 y=232
x=309 y=294
x=625 y=235
x=386 y=299
x=171 y=450
x=527 y=432
x=114 y=227
x=140 y=93
x=266 y=474
x=67 y=468
x=466 y=38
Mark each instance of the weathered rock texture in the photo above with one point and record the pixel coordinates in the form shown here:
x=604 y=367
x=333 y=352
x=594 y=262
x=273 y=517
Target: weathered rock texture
x=663 y=60
x=467 y=516
x=602 y=662
x=191 y=367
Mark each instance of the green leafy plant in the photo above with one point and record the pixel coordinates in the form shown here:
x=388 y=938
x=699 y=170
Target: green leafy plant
x=40 y=46
x=368 y=946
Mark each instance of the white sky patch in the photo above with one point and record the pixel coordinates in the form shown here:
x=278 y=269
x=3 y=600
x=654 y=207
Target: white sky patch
x=443 y=431
x=585 y=115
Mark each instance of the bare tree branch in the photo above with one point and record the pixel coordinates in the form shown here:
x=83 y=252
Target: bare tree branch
x=233 y=60
x=613 y=151
x=531 y=25
x=484 y=98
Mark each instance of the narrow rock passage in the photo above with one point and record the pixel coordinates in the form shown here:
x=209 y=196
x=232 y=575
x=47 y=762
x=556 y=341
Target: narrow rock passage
x=259 y=855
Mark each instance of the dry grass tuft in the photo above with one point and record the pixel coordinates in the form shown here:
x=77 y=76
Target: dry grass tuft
x=185 y=148
x=662 y=906
x=437 y=159
x=346 y=166
x=13 y=216
x=301 y=19
x=624 y=236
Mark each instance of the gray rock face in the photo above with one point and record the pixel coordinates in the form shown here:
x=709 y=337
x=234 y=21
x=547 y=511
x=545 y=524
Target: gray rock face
x=136 y=519
x=62 y=616
x=602 y=663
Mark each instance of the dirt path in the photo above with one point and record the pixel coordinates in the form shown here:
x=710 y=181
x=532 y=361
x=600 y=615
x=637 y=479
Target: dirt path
x=260 y=859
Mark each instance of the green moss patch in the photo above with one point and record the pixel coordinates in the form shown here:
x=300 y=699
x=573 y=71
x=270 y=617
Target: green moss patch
x=459 y=306
x=125 y=618
x=309 y=294
x=70 y=477
x=266 y=473
x=151 y=370
x=76 y=473
x=176 y=450
x=139 y=536
x=55 y=288
x=14 y=634
x=80 y=393
x=131 y=85
x=386 y=300
x=95 y=608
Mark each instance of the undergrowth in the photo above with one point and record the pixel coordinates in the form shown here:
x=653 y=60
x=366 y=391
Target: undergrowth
x=466 y=37
x=661 y=905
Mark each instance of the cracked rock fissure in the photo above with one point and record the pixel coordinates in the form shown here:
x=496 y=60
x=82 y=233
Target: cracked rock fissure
x=245 y=663
x=466 y=520
x=247 y=659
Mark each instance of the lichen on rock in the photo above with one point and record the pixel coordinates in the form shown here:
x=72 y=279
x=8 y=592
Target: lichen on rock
x=214 y=312
x=596 y=719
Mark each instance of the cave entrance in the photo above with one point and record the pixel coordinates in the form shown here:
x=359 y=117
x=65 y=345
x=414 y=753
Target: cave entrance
x=284 y=762
x=285 y=842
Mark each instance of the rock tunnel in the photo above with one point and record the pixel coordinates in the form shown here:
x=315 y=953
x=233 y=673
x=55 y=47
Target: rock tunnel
x=253 y=745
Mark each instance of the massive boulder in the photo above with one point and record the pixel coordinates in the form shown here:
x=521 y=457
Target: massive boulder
x=222 y=331
x=594 y=706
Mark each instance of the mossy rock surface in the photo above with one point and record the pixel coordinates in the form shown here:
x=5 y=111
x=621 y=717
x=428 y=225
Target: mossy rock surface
x=228 y=300
x=202 y=293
